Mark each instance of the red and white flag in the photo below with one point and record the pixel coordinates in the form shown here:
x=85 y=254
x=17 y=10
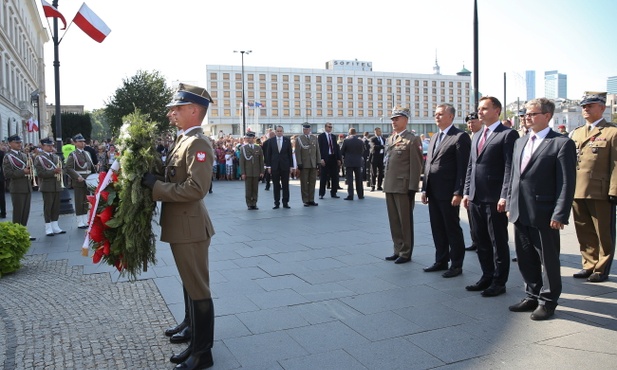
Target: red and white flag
x=51 y=12
x=91 y=24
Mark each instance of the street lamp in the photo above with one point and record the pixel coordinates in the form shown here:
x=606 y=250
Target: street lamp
x=242 y=52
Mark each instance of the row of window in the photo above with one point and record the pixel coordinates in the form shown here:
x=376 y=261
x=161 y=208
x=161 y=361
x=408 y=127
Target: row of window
x=325 y=113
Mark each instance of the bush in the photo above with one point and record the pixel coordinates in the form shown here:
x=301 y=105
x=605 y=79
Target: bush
x=14 y=243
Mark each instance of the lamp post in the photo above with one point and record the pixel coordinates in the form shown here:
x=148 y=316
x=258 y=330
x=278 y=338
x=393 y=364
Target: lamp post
x=242 y=52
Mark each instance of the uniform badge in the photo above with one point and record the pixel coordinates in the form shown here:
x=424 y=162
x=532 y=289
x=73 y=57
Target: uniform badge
x=201 y=156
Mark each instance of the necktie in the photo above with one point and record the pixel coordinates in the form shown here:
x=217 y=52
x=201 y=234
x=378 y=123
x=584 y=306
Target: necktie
x=438 y=141
x=527 y=152
x=330 y=144
x=279 y=143
x=482 y=140
x=251 y=146
x=589 y=129
x=381 y=140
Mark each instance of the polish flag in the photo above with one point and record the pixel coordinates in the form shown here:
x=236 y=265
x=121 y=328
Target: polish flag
x=91 y=24
x=51 y=12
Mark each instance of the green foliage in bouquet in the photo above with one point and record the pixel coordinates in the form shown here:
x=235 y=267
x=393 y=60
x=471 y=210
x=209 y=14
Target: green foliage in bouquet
x=132 y=219
x=14 y=243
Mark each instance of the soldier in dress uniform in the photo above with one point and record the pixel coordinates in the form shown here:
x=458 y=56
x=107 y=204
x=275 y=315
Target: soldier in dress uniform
x=49 y=170
x=185 y=223
x=403 y=166
x=595 y=195
x=252 y=169
x=308 y=158
x=17 y=169
x=79 y=166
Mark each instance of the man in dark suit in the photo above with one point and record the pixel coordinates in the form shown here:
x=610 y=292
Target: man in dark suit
x=330 y=161
x=539 y=200
x=378 y=144
x=279 y=163
x=442 y=189
x=596 y=189
x=267 y=175
x=352 y=150
x=486 y=190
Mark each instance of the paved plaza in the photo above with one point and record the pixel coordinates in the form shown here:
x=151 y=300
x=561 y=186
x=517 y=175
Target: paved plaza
x=299 y=288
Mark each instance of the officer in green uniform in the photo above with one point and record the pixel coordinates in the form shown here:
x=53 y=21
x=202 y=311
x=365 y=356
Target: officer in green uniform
x=309 y=158
x=17 y=168
x=49 y=170
x=252 y=169
x=595 y=195
x=79 y=166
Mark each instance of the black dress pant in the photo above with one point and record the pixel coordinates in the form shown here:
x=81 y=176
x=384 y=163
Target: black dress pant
x=329 y=172
x=447 y=232
x=490 y=229
x=280 y=179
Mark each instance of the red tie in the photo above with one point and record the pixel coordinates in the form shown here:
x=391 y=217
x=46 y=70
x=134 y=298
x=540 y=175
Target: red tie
x=482 y=140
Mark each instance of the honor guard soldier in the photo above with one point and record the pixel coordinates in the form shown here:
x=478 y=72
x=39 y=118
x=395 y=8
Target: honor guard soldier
x=49 y=170
x=17 y=167
x=595 y=194
x=79 y=166
x=309 y=158
x=185 y=223
x=252 y=168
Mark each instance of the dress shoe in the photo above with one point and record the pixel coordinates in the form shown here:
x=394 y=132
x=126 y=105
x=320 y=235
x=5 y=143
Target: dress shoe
x=348 y=198
x=583 y=274
x=286 y=206
x=182 y=356
x=402 y=260
x=480 y=285
x=313 y=204
x=335 y=196
x=436 y=267
x=276 y=207
x=456 y=271
x=514 y=259
x=472 y=247
x=255 y=208
x=379 y=188
x=542 y=313
x=494 y=291
x=392 y=257
x=526 y=305
x=360 y=197
x=32 y=238
x=182 y=336
x=209 y=191
x=597 y=277
x=267 y=188
x=307 y=204
x=372 y=188
x=178 y=328
x=321 y=197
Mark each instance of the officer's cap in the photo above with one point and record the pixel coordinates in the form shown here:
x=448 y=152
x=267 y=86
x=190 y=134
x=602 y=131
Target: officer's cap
x=188 y=94
x=47 y=141
x=593 y=97
x=79 y=137
x=400 y=112
x=470 y=116
x=14 y=138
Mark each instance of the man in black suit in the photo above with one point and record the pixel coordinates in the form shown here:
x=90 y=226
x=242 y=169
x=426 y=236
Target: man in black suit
x=330 y=161
x=378 y=144
x=486 y=190
x=540 y=197
x=366 y=141
x=267 y=176
x=352 y=150
x=279 y=163
x=442 y=189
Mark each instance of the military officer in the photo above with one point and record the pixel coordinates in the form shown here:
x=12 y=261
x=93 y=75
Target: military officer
x=595 y=195
x=49 y=170
x=403 y=166
x=308 y=158
x=79 y=166
x=16 y=167
x=252 y=169
x=185 y=223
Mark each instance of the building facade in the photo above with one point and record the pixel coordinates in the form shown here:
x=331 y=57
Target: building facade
x=530 y=84
x=555 y=85
x=22 y=69
x=347 y=94
x=611 y=85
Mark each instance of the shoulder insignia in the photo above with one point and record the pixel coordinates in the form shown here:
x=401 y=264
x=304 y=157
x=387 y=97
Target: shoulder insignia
x=201 y=156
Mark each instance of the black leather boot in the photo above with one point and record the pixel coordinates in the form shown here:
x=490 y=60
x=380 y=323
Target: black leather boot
x=182 y=337
x=185 y=323
x=202 y=326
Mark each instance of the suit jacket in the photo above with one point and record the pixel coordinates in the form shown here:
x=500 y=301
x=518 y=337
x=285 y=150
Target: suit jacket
x=352 y=151
x=403 y=163
x=377 y=149
x=324 y=148
x=544 y=190
x=188 y=174
x=446 y=167
x=488 y=173
x=13 y=166
x=307 y=152
x=282 y=161
x=251 y=160
x=596 y=176
x=45 y=164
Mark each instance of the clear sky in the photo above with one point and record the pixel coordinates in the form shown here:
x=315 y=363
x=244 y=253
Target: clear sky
x=179 y=38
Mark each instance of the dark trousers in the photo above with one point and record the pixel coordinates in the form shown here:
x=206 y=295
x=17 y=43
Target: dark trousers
x=376 y=173
x=447 y=232
x=329 y=172
x=280 y=179
x=537 y=252
x=51 y=206
x=357 y=173
x=490 y=229
x=21 y=207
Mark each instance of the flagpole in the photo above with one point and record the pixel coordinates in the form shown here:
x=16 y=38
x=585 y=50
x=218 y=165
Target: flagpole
x=65 y=198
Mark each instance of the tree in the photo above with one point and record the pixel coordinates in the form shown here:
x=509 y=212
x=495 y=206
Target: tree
x=73 y=124
x=100 y=125
x=146 y=92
